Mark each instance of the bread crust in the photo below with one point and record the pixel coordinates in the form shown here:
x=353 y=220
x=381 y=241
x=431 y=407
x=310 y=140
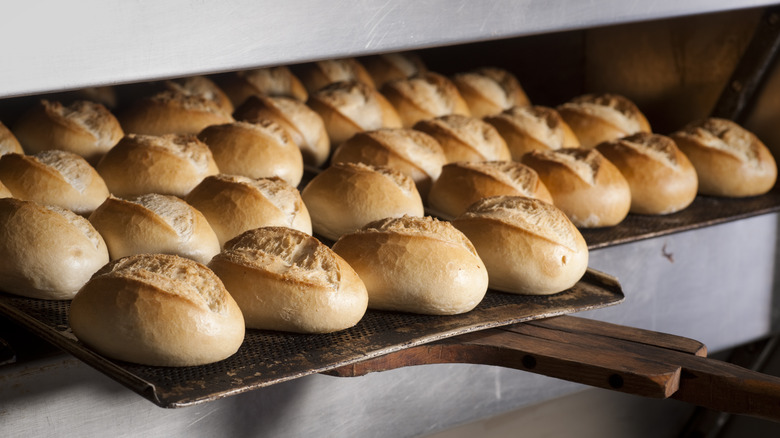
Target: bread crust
x=269 y=81
x=8 y=142
x=466 y=138
x=393 y=66
x=531 y=128
x=596 y=118
x=318 y=75
x=490 y=90
x=158 y=310
x=173 y=112
x=425 y=96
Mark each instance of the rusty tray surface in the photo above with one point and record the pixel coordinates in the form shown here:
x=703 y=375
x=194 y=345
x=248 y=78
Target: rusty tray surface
x=703 y=212
x=267 y=357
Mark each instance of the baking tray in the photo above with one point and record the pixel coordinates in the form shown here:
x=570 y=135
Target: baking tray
x=267 y=357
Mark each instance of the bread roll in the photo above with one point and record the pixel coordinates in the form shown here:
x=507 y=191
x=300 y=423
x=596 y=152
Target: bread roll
x=412 y=152
x=465 y=138
x=529 y=246
x=203 y=87
x=8 y=143
x=4 y=192
x=233 y=204
x=424 y=97
x=462 y=184
x=56 y=178
x=304 y=126
x=729 y=160
x=661 y=178
x=318 y=75
x=286 y=280
x=392 y=66
x=168 y=164
x=255 y=150
x=490 y=90
x=47 y=252
x=154 y=223
x=84 y=128
x=158 y=310
x=173 y=112
x=585 y=185
x=347 y=108
x=417 y=265
x=269 y=81
x=596 y=118
x=533 y=128
x=346 y=196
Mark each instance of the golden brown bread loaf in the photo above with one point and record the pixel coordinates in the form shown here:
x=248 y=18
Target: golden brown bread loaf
x=392 y=66
x=318 y=75
x=528 y=246
x=729 y=160
x=8 y=143
x=47 y=252
x=172 y=112
x=414 y=153
x=233 y=204
x=661 y=178
x=167 y=164
x=203 y=87
x=158 y=310
x=84 y=128
x=4 y=192
x=416 y=264
x=425 y=96
x=490 y=90
x=532 y=128
x=269 y=81
x=304 y=126
x=465 y=138
x=585 y=185
x=462 y=184
x=346 y=196
x=255 y=150
x=347 y=108
x=154 y=223
x=286 y=280
x=54 y=177
x=596 y=118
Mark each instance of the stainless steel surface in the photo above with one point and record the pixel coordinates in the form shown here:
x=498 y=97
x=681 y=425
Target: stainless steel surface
x=53 y=45
x=713 y=284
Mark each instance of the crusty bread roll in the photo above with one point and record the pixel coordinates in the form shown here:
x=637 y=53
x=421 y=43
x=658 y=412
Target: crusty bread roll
x=168 y=164
x=84 y=128
x=255 y=150
x=269 y=81
x=4 y=192
x=465 y=138
x=490 y=90
x=318 y=75
x=203 y=87
x=154 y=223
x=8 y=143
x=346 y=196
x=596 y=118
x=54 y=177
x=532 y=128
x=47 y=252
x=412 y=152
x=347 y=108
x=392 y=66
x=416 y=264
x=585 y=185
x=528 y=246
x=233 y=204
x=464 y=183
x=425 y=96
x=159 y=310
x=287 y=280
x=661 y=178
x=305 y=127
x=729 y=160
x=172 y=112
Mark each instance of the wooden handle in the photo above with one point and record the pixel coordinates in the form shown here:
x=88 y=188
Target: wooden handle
x=603 y=355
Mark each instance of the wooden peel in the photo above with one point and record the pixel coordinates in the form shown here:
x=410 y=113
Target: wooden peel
x=603 y=355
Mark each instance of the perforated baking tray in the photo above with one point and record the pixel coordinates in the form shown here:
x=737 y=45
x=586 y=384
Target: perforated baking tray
x=266 y=357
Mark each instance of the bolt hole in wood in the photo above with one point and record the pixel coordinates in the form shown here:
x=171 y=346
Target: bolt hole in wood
x=529 y=361
x=615 y=381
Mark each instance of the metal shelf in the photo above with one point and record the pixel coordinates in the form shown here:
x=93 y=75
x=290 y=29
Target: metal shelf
x=53 y=46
